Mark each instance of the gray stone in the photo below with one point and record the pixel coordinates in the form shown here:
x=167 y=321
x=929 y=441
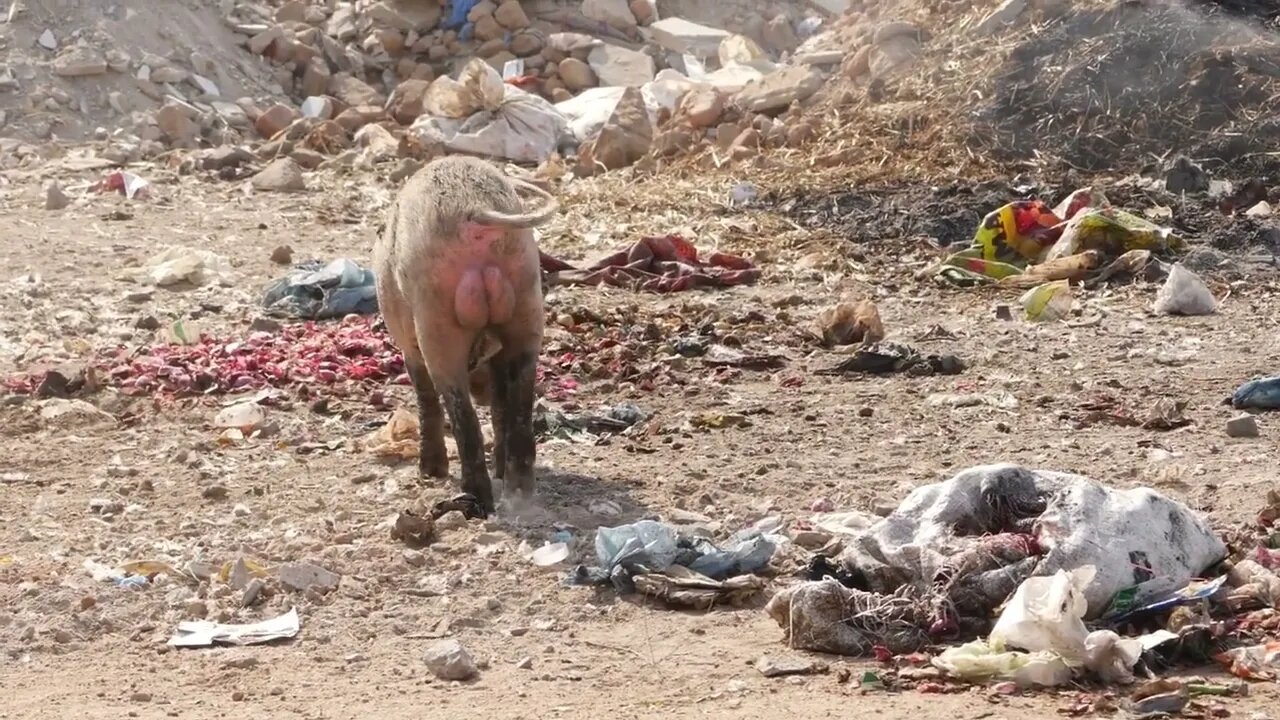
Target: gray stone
x=1242 y=426
x=620 y=67
x=681 y=36
x=774 y=666
x=778 y=89
x=448 y=660
x=283 y=175
x=304 y=576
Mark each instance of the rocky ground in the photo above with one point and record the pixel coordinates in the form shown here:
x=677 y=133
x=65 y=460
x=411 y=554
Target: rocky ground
x=107 y=477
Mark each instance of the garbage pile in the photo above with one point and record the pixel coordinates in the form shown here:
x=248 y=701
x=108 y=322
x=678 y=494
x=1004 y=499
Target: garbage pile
x=1042 y=577
x=1025 y=243
x=655 y=560
x=317 y=291
x=658 y=264
x=1083 y=240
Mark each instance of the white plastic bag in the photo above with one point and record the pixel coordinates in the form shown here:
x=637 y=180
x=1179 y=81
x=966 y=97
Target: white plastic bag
x=175 y=265
x=588 y=111
x=1111 y=657
x=1046 y=614
x=1184 y=293
x=979 y=662
x=501 y=121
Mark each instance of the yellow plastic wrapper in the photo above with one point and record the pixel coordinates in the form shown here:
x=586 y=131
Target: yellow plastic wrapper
x=1113 y=232
x=1022 y=236
x=1047 y=302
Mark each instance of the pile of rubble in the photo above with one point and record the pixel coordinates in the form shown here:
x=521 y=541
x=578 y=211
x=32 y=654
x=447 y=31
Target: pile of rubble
x=512 y=80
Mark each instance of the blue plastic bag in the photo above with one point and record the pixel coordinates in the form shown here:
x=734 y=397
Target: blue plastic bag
x=1261 y=394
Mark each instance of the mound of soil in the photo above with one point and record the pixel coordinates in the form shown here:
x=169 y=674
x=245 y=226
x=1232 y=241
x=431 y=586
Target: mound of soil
x=1121 y=86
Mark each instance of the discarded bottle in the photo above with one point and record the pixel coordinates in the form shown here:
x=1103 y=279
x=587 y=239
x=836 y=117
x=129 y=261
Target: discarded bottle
x=1262 y=394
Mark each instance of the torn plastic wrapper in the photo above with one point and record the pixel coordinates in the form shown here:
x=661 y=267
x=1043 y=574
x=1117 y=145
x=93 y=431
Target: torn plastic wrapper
x=1113 y=232
x=1129 y=603
x=682 y=587
x=647 y=547
x=978 y=661
x=1256 y=662
x=1025 y=235
x=132 y=186
x=1047 y=302
x=1128 y=535
x=202 y=633
x=317 y=291
x=1047 y=614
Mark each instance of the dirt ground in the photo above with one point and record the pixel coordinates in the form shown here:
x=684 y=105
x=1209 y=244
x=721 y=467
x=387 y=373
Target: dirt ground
x=75 y=647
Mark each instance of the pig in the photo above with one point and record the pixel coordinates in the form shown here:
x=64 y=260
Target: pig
x=460 y=289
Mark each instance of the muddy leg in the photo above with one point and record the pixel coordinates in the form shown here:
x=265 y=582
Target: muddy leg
x=498 y=401
x=433 y=459
x=466 y=431
x=517 y=371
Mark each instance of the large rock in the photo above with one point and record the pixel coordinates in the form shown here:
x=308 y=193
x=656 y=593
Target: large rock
x=376 y=144
x=406 y=100
x=526 y=44
x=577 y=75
x=448 y=660
x=620 y=67
x=779 y=35
x=420 y=16
x=511 y=16
x=176 y=123
x=625 y=138
x=292 y=11
x=353 y=91
x=315 y=79
x=259 y=44
x=283 y=175
x=893 y=55
x=777 y=90
x=342 y=23
x=681 y=36
x=487 y=28
x=352 y=119
x=644 y=10
x=274 y=119
x=79 y=62
x=615 y=13
x=701 y=107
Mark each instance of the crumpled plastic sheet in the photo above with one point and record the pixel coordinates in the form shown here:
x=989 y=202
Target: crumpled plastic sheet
x=658 y=264
x=960 y=547
x=1130 y=536
x=317 y=291
x=648 y=546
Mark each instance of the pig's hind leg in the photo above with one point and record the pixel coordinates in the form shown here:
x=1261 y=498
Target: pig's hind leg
x=433 y=458
x=513 y=372
x=445 y=348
